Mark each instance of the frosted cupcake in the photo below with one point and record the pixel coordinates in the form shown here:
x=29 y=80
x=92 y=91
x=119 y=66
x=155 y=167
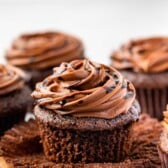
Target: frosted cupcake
x=14 y=96
x=85 y=112
x=38 y=53
x=145 y=63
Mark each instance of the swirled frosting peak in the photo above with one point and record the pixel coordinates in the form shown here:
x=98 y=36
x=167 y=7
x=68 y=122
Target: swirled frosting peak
x=144 y=55
x=11 y=79
x=44 y=50
x=83 y=88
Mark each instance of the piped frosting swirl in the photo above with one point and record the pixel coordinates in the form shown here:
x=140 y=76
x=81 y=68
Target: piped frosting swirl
x=145 y=55
x=83 y=88
x=11 y=79
x=44 y=50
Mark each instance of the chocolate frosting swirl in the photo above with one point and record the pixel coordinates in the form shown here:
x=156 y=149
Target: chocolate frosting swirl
x=144 y=55
x=44 y=50
x=83 y=88
x=11 y=79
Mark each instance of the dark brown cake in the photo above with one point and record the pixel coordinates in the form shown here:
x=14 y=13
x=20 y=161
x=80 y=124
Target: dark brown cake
x=85 y=112
x=145 y=63
x=38 y=53
x=145 y=135
x=14 y=96
x=94 y=137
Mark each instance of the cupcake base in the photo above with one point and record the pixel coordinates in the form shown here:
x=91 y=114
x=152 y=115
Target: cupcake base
x=68 y=139
x=73 y=146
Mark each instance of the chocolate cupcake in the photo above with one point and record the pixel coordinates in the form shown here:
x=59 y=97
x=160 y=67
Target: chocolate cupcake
x=38 y=53
x=145 y=63
x=163 y=144
x=85 y=112
x=14 y=96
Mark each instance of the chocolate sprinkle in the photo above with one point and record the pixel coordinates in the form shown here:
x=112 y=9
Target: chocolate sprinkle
x=80 y=101
x=128 y=95
x=62 y=102
x=109 y=89
x=98 y=69
x=116 y=81
x=125 y=84
x=60 y=78
x=31 y=59
x=114 y=75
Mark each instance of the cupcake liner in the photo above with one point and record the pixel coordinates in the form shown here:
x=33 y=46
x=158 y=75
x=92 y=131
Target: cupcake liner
x=153 y=101
x=76 y=146
x=145 y=136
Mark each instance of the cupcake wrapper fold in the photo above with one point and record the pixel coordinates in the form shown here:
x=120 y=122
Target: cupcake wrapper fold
x=153 y=101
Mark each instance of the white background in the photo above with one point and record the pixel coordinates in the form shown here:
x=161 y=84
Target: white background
x=101 y=24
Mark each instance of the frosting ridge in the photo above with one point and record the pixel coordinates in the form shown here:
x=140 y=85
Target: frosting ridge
x=83 y=88
x=44 y=50
x=144 y=55
x=11 y=79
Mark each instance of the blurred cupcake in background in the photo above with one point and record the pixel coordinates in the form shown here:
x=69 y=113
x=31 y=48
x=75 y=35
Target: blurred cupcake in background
x=145 y=63
x=38 y=53
x=163 y=144
x=14 y=96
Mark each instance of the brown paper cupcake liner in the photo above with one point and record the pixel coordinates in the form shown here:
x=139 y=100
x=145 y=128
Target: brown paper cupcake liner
x=153 y=101
x=143 y=154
